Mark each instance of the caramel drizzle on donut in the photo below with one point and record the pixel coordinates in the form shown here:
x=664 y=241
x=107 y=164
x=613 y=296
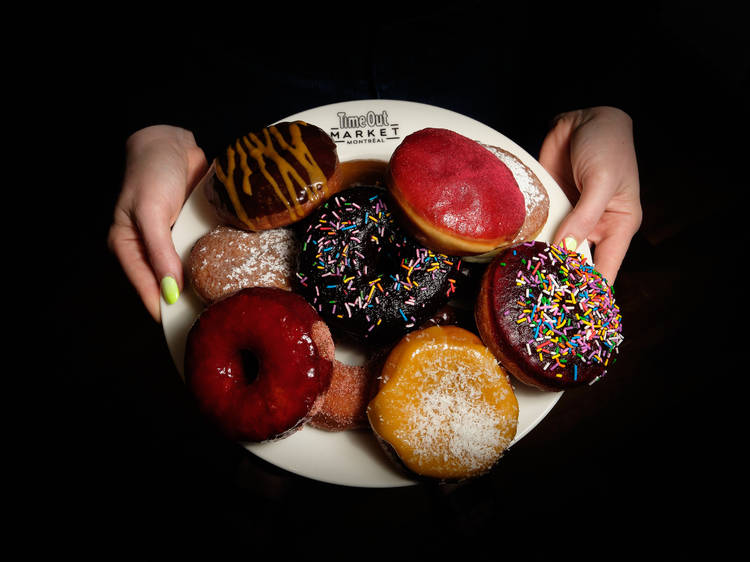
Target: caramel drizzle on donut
x=260 y=150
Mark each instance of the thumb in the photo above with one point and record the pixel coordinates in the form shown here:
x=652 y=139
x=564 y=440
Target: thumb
x=162 y=255
x=161 y=173
x=595 y=195
x=155 y=222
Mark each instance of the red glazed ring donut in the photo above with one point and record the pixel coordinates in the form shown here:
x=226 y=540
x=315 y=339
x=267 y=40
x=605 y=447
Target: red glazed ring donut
x=276 y=328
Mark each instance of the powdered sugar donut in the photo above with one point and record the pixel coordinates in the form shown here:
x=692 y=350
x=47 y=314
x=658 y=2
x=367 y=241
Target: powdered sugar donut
x=343 y=405
x=535 y=195
x=226 y=259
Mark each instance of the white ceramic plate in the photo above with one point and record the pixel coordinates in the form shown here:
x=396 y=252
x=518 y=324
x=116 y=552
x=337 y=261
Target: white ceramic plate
x=361 y=129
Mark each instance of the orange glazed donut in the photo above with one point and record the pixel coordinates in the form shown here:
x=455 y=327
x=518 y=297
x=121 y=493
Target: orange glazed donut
x=445 y=409
x=455 y=196
x=274 y=177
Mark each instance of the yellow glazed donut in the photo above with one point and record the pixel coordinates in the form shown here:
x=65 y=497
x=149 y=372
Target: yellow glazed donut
x=445 y=409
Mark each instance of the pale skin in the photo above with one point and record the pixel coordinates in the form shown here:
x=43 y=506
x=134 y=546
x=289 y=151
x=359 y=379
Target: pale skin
x=589 y=152
x=591 y=155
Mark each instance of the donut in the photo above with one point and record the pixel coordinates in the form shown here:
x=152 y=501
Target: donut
x=366 y=277
x=548 y=316
x=342 y=405
x=274 y=177
x=454 y=195
x=253 y=364
x=445 y=409
x=227 y=259
x=536 y=198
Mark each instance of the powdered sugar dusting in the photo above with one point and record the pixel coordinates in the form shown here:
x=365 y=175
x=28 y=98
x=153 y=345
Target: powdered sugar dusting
x=527 y=182
x=226 y=260
x=453 y=418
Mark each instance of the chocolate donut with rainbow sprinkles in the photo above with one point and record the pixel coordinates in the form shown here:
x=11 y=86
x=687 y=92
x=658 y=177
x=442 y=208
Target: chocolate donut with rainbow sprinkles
x=548 y=316
x=367 y=278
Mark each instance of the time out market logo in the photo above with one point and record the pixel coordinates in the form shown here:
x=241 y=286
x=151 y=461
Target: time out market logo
x=366 y=128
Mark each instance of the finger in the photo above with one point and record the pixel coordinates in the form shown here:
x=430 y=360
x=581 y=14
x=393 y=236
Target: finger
x=155 y=226
x=129 y=250
x=165 y=180
x=155 y=223
x=554 y=154
x=610 y=252
x=578 y=224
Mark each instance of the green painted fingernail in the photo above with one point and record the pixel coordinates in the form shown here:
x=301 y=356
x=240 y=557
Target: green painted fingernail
x=169 y=289
x=570 y=243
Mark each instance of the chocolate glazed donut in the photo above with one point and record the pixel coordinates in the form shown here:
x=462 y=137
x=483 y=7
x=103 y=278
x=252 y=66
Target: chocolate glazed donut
x=363 y=274
x=548 y=316
x=274 y=177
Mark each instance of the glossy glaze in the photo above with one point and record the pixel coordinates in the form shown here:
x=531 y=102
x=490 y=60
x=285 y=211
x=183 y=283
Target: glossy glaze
x=274 y=326
x=277 y=174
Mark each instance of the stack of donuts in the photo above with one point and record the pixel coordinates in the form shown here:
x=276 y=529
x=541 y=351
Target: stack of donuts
x=427 y=262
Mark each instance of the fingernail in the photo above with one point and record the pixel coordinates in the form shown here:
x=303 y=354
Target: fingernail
x=570 y=243
x=169 y=289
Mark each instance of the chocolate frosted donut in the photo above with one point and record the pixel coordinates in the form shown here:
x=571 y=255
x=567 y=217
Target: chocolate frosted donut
x=363 y=274
x=548 y=316
x=274 y=177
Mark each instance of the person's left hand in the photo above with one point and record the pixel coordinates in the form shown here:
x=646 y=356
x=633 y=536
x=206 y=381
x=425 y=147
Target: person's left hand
x=163 y=165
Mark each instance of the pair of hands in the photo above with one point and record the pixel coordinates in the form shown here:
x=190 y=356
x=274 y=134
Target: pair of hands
x=589 y=152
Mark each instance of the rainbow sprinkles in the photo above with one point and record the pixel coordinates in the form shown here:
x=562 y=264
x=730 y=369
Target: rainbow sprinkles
x=360 y=270
x=570 y=310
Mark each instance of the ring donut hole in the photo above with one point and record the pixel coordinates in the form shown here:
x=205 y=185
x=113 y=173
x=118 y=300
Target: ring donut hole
x=251 y=365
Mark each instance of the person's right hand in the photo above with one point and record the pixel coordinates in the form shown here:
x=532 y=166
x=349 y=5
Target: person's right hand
x=591 y=155
x=163 y=165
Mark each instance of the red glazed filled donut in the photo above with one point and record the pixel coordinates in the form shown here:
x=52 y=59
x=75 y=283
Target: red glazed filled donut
x=454 y=195
x=275 y=329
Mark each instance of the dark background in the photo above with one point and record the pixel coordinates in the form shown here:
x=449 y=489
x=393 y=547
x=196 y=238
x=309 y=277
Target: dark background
x=633 y=462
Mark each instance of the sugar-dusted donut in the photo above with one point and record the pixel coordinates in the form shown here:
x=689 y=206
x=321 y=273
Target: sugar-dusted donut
x=536 y=198
x=253 y=363
x=454 y=195
x=367 y=278
x=273 y=177
x=227 y=259
x=445 y=409
x=343 y=404
x=548 y=316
